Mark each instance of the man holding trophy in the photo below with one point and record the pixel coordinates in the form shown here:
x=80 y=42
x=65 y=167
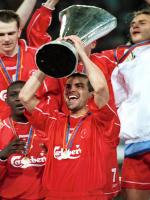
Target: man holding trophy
x=77 y=159
x=50 y=53
x=135 y=187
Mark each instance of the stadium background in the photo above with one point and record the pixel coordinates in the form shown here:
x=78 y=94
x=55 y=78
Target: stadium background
x=122 y=9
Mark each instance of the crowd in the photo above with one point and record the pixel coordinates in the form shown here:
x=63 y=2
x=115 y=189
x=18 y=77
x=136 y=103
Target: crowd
x=58 y=137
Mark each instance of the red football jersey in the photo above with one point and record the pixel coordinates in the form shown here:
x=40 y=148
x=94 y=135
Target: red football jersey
x=21 y=180
x=79 y=171
x=18 y=68
x=23 y=71
x=37 y=27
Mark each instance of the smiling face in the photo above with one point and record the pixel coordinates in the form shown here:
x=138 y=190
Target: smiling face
x=76 y=94
x=140 y=28
x=9 y=35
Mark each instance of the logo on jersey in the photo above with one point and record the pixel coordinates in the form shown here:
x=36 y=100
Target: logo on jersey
x=18 y=162
x=84 y=134
x=60 y=153
x=3 y=95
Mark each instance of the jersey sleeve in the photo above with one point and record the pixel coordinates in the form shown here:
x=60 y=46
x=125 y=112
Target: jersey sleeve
x=43 y=115
x=106 y=62
x=51 y=89
x=37 y=28
x=110 y=123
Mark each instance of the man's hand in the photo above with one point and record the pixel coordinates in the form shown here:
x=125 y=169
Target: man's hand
x=78 y=44
x=15 y=146
x=94 y=73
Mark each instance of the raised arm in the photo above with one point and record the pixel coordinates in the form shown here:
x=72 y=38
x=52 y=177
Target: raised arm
x=95 y=75
x=27 y=93
x=37 y=28
x=25 y=10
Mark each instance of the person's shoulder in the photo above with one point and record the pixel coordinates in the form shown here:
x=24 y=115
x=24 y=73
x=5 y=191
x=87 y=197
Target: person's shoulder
x=106 y=113
x=106 y=55
x=111 y=52
x=47 y=107
x=103 y=52
x=105 y=60
x=60 y=115
x=25 y=47
x=4 y=124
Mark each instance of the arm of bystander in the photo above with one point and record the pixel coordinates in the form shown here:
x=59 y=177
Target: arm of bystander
x=25 y=10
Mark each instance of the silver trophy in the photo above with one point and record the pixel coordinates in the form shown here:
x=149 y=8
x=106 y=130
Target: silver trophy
x=59 y=58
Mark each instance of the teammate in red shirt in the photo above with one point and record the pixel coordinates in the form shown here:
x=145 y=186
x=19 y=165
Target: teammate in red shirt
x=22 y=158
x=77 y=142
x=16 y=59
x=37 y=28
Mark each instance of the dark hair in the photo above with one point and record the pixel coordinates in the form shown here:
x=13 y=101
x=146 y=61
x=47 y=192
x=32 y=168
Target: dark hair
x=82 y=75
x=7 y=16
x=145 y=11
x=15 y=85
